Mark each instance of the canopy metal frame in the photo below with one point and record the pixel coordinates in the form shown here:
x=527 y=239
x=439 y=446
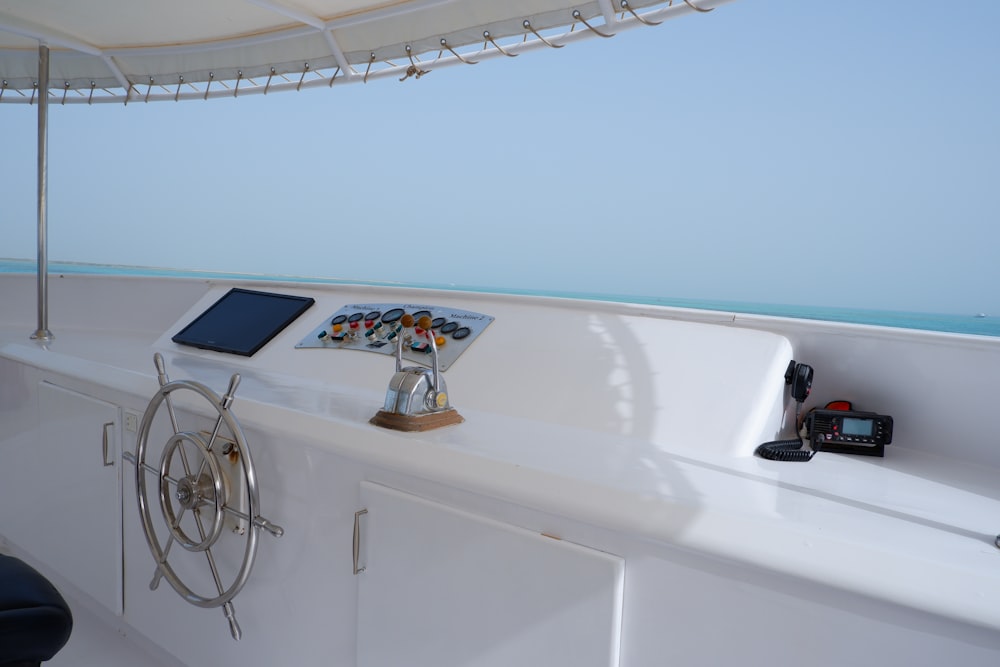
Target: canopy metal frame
x=110 y=80
x=42 y=333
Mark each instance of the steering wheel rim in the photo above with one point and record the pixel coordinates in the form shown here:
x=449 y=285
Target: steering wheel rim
x=161 y=552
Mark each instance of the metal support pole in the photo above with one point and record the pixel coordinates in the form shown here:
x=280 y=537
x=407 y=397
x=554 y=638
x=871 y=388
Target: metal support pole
x=43 y=333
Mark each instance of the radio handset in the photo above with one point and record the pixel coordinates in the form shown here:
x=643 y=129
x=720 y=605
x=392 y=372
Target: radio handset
x=800 y=377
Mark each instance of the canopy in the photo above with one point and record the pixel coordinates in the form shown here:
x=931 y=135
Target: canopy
x=146 y=50
x=92 y=51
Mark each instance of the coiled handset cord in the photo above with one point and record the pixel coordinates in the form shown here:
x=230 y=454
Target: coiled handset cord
x=787 y=450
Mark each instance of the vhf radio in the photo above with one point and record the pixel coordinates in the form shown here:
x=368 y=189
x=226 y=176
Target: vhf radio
x=846 y=431
x=837 y=427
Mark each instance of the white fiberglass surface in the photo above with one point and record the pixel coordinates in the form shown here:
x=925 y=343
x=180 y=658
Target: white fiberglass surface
x=747 y=154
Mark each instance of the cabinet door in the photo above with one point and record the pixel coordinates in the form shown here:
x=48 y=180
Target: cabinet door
x=71 y=518
x=445 y=588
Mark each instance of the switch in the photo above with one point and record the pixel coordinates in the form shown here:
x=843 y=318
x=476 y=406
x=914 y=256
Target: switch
x=131 y=422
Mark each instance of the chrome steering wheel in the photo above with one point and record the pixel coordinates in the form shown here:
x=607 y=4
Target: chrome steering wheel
x=204 y=482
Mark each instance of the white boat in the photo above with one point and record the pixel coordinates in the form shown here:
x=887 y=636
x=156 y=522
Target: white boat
x=581 y=491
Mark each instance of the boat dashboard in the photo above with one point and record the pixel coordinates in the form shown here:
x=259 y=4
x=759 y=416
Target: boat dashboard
x=635 y=420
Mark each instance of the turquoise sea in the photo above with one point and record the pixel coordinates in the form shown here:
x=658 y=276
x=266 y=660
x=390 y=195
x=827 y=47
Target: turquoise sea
x=965 y=323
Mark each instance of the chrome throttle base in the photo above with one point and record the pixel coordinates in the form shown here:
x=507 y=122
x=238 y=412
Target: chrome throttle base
x=417 y=398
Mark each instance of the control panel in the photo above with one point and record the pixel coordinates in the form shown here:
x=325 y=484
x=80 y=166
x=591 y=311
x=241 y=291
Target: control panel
x=376 y=327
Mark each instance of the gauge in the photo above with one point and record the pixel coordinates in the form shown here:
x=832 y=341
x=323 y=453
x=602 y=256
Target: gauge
x=393 y=315
x=339 y=319
x=461 y=332
x=449 y=327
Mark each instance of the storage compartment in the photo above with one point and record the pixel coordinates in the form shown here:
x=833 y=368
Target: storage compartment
x=440 y=587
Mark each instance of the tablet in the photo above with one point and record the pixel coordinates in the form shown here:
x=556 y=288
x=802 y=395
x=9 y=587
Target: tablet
x=242 y=321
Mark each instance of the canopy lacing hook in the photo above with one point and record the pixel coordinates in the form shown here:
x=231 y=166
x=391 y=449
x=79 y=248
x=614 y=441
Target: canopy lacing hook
x=489 y=38
x=149 y=89
x=239 y=77
x=65 y=91
x=412 y=70
x=371 y=59
x=302 y=78
x=624 y=5
x=334 y=77
x=579 y=17
x=211 y=77
x=527 y=26
x=4 y=87
x=697 y=8
x=444 y=43
x=177 y=93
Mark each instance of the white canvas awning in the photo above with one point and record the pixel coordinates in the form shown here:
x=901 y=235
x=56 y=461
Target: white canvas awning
x=134 y=50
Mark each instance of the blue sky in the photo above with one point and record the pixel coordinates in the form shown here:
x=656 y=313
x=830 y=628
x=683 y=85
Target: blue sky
x=779 y=151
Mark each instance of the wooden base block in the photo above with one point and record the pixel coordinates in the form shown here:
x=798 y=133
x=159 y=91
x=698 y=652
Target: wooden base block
x=416 y=422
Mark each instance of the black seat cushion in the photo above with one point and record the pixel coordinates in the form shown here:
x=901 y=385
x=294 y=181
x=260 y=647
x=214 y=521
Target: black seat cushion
x=35 y=621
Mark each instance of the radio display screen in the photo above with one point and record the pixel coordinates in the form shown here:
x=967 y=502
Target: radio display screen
x=855 y=426
x=242 y=321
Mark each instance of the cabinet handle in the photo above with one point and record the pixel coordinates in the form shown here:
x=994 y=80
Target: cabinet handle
x=104 y=445
x=357 y=540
